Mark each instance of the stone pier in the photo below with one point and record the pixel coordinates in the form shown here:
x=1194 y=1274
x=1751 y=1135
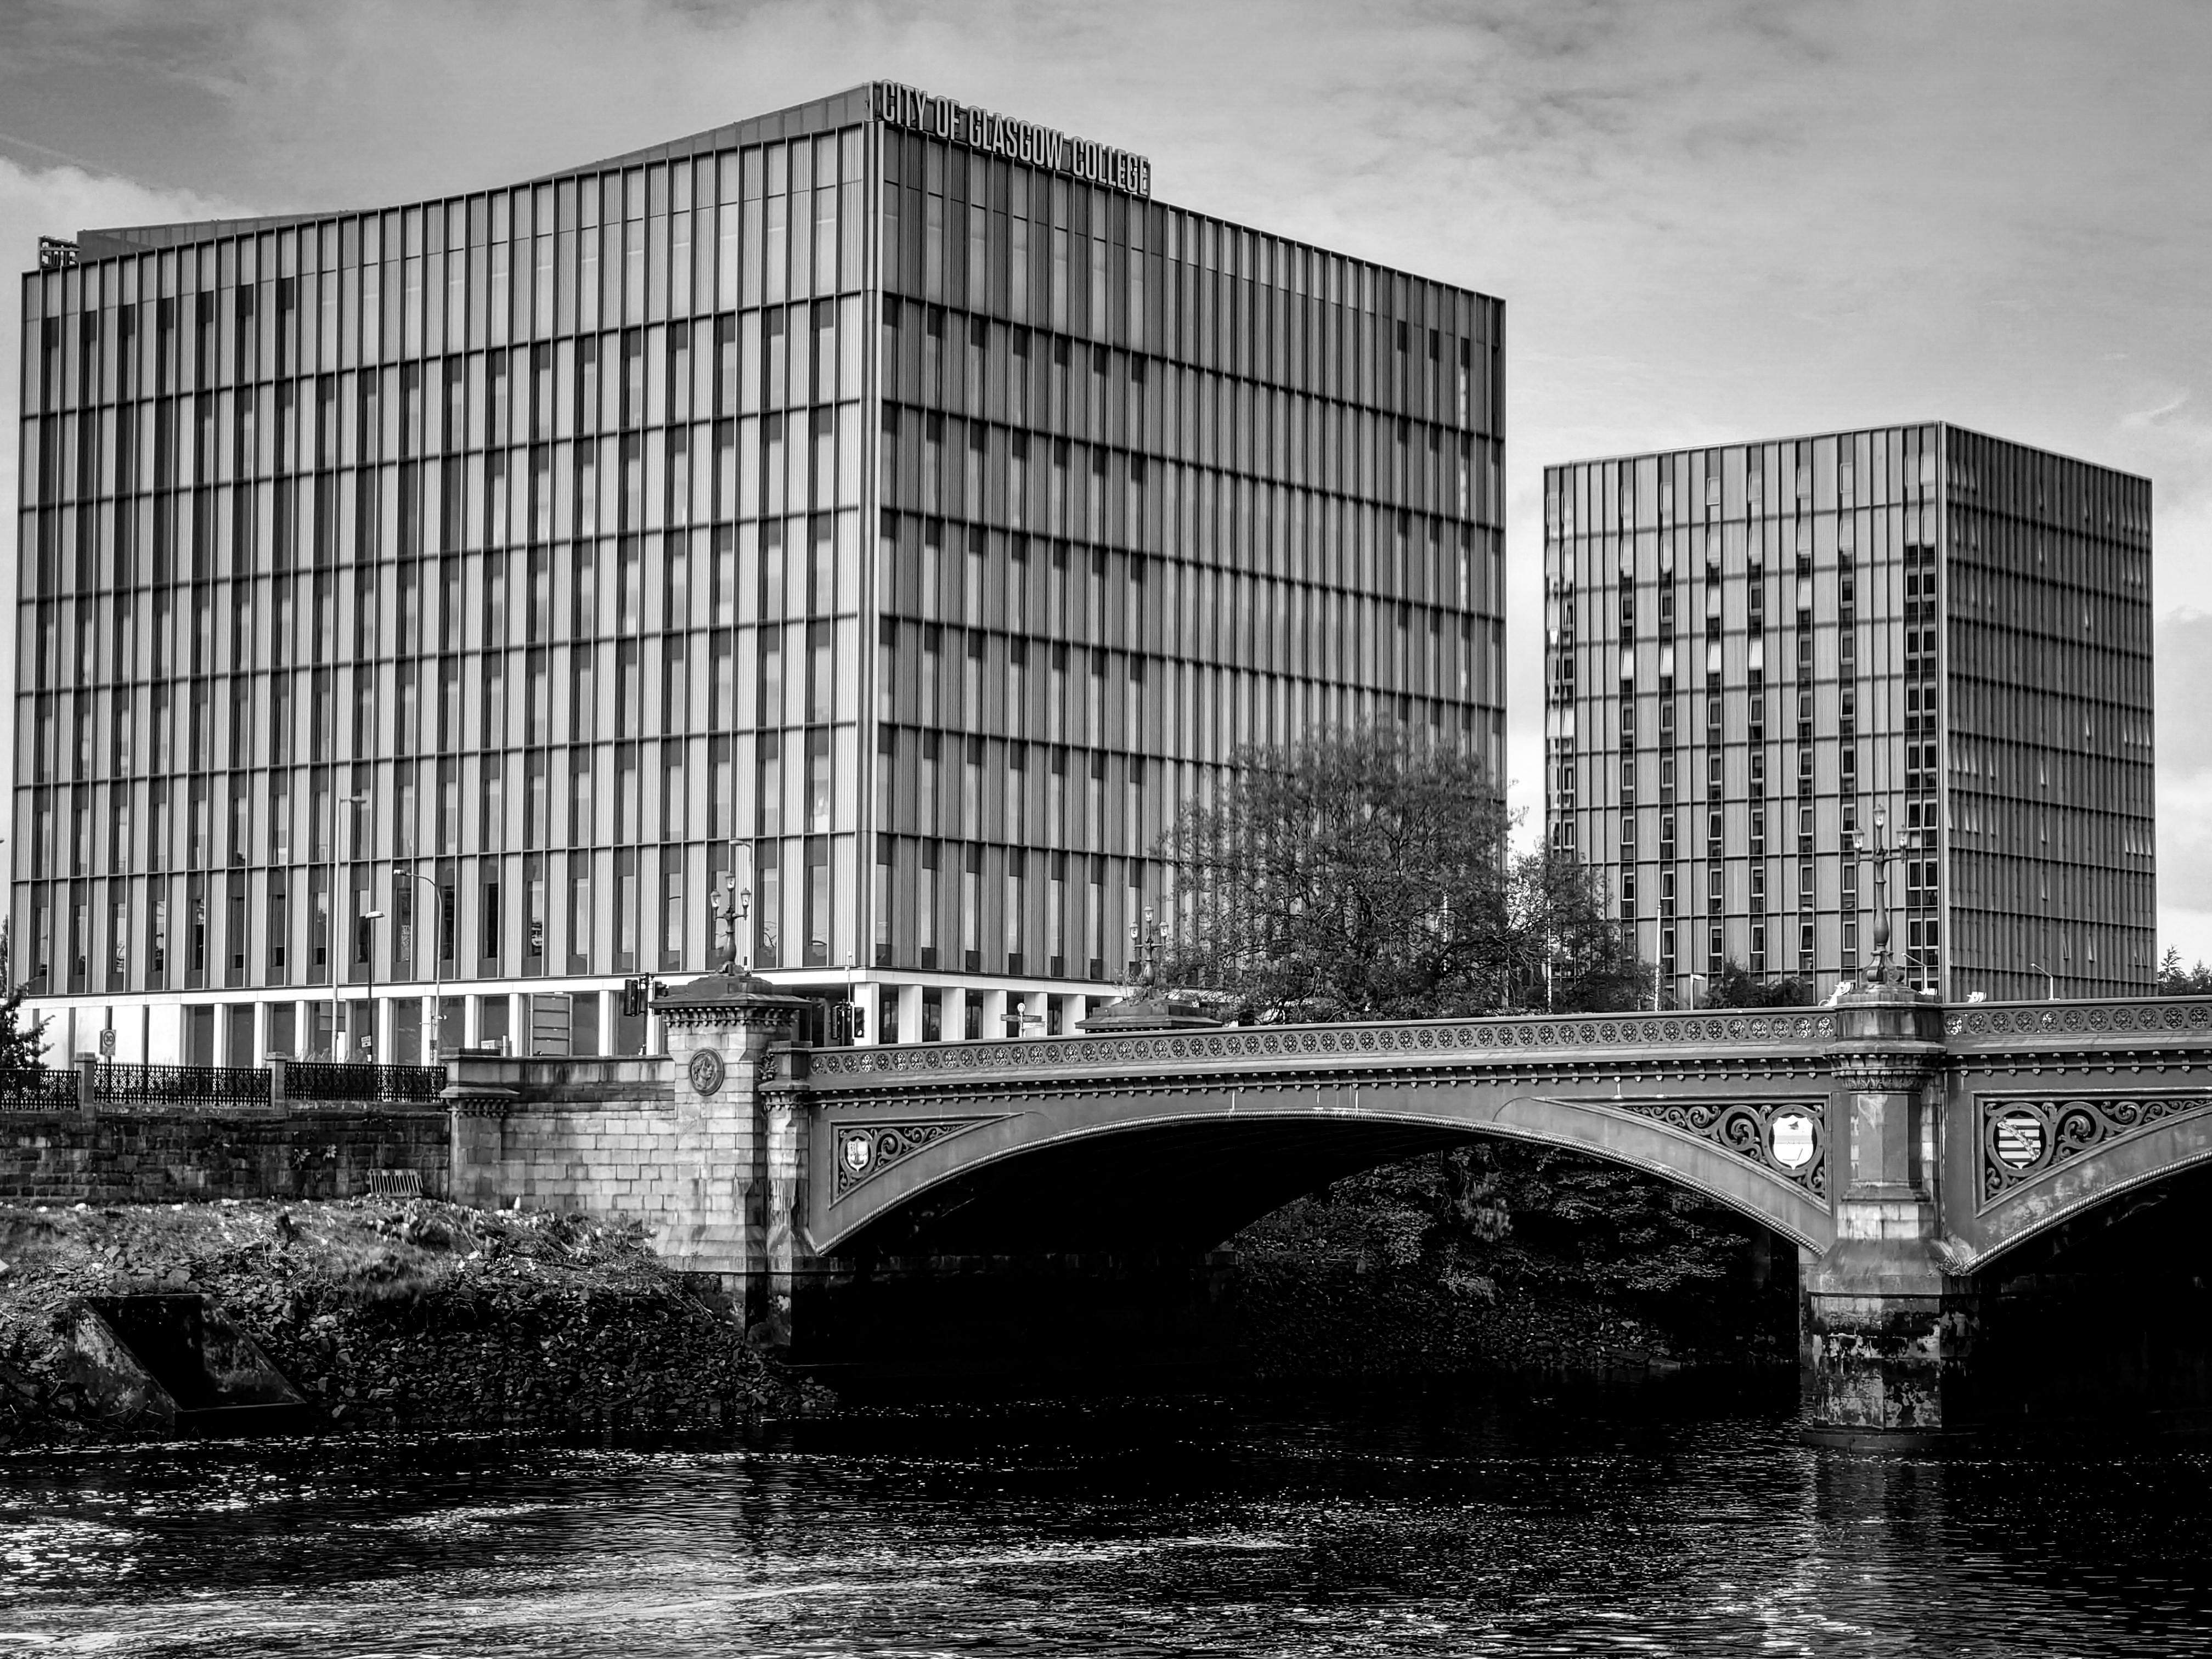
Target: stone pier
x=741 y=1160
x=705 y=1147
x=1887 y=1334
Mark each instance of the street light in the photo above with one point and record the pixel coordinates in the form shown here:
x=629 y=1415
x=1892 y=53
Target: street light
x=1880 y=852
x=437 y=987
x=2049 y=982
x=732 y=903
x=332 y=930
x=369 y=1038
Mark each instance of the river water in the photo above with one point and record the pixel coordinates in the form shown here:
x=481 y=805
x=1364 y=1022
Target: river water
x=1682 y=1519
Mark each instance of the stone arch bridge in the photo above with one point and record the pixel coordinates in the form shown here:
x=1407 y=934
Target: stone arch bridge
x=1905 y=1146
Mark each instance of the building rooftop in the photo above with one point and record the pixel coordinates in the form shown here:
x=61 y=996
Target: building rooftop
x=816 y=115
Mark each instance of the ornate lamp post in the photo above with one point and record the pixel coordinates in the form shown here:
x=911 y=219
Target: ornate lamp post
x=1144 y=952
x=1881 y=853
x=1150 y=1004
x=732 y=905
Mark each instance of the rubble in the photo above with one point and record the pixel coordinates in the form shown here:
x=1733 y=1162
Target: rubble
x=395 y=1313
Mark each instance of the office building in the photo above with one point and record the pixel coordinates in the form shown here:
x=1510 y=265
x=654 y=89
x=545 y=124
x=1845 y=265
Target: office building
x=1766 y=661
x=879 y=517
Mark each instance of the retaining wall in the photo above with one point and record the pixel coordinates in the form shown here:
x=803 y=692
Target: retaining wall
x=168 y=1157
x=600 y=1136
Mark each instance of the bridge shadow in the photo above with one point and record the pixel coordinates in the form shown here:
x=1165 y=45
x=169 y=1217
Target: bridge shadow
x=1098 y=1258
x=1175 y=1187
x=2104 y=1322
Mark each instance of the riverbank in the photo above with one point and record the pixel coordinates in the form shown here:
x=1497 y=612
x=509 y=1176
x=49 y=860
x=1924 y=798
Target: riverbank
x=1305 y=1320
x=394 y=1314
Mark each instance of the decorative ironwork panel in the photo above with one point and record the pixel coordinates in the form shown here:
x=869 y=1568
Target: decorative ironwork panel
x=127 y=1087
x=353 y=1080
x=2024 y=1140
x=1788 y=1137
x=43 y=1090
x=864 y=1151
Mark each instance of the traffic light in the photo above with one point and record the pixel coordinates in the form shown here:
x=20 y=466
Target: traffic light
x=859 y=1021
x=633 y=998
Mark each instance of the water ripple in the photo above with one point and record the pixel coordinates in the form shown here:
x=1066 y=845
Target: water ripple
x=1614 y=1523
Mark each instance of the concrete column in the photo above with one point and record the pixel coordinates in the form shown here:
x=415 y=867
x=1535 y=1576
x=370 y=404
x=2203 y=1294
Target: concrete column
x=952 y=1015
x=471 y=1021
x=518 y=1023
x=1073 y=1011
x=992 y=1026
x=260 y=1036
x=1886 y=1333
x=909 y=1014
x=165 y=1034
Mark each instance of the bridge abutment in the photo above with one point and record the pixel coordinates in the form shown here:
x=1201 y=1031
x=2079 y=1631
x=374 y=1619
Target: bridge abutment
x=1887 y=1335
x=740 y=1131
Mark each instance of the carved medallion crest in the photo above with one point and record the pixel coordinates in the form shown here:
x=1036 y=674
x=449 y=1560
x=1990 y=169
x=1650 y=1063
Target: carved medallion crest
x=706 y=1071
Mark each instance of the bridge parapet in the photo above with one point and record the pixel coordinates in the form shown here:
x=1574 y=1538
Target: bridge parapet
x=1971 y=1028
x=1613 y=1037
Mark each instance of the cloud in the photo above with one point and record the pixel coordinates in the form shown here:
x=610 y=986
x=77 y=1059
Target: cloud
x=1711 y=219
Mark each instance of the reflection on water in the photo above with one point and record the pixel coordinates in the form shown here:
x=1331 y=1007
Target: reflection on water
x=1649 y=1520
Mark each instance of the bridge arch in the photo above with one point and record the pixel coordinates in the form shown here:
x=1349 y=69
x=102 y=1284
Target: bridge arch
x=1194 y=1165
x=2023 y=1210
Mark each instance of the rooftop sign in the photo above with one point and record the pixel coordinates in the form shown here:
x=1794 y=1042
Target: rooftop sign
x=1018 y=141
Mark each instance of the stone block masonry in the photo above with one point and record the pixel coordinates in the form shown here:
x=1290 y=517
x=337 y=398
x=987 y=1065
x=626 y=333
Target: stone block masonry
x=169 y=1157
x=705 y=1148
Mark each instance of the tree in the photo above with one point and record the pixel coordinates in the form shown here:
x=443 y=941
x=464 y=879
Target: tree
x=1364 y=875
x=1735 y=987
x=22 y=1048
x=2175 y=980
x=1567 y=955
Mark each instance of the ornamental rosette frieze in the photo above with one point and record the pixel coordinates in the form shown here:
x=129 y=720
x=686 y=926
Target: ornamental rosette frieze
x=1510 y=1039
x=2161 y=1017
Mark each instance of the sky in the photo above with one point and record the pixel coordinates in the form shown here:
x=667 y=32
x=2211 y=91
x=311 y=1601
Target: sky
x=1708 y=221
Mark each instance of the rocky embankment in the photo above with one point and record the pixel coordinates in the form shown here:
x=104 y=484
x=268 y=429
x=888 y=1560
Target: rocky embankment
x=393 y=1314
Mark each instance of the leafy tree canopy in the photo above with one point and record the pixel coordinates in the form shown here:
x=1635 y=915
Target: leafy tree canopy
x=22 y=1048
x=2175 y=980
x=1365 y=875
x=1736 y=987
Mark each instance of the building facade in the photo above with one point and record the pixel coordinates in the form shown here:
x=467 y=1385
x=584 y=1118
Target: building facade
x=878 y=518
x=1767 y=662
